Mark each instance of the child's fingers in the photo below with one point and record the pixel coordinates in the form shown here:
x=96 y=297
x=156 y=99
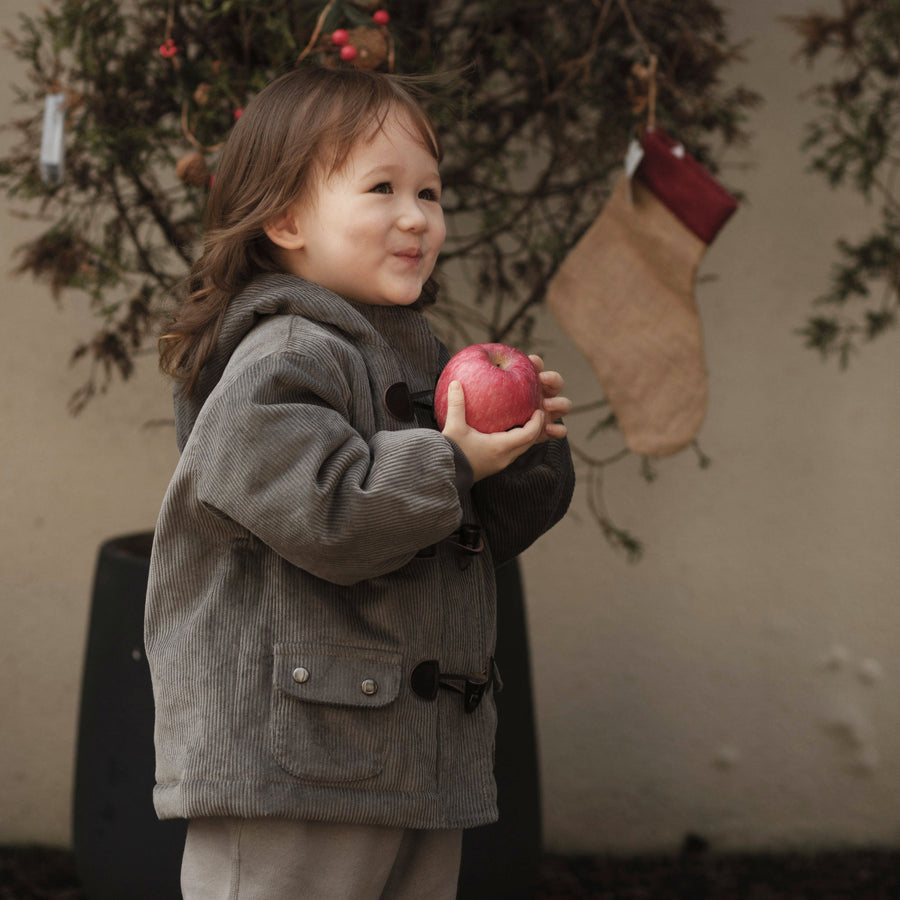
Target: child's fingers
x=556 y=430
x=517 y=440
x=532 y=429
x=557 y=407
x=552 y=383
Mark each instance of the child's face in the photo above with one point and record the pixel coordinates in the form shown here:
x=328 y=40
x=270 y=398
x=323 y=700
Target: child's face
x=372 y=231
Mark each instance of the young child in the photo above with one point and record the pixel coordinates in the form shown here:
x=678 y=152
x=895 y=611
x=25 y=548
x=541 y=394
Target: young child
x=321 y=609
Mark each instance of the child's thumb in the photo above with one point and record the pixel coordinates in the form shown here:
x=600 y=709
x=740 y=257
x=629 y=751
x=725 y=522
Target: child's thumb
x=456 y=404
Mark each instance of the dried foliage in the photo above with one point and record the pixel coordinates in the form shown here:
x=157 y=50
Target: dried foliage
x=553 y=94
x=855 y=141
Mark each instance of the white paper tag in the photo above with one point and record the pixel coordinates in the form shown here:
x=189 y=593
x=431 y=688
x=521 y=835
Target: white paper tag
x=633 y=157
x=53 y=145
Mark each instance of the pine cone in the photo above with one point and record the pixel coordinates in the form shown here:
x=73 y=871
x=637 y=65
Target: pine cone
x=192 y=169
x=201 y=94
x=372 y=47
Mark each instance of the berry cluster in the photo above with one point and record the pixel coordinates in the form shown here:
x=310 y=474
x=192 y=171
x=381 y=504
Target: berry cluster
x=168 y=49
x=365 y=46
x=340 y=37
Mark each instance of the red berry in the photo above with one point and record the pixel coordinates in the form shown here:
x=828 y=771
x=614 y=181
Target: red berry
x=340 y=36
x=168 y=49
x=237 y=114
x=381 y=17
x=349 y=53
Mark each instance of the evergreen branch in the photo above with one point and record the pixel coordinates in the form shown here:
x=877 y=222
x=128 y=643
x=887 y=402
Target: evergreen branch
x=148 y=199
x=147 y=263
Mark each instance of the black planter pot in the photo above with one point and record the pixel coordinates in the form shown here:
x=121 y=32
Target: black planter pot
x=501 y=861
x=123 y=851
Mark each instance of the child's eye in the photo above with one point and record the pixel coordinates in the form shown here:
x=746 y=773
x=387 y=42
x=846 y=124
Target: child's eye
x=429 y=194
x=383 y=187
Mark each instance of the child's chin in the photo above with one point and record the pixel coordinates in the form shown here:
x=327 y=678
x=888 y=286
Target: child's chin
x=406 y=298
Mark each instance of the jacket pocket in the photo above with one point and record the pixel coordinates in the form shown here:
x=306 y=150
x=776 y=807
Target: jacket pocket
x=331 y=709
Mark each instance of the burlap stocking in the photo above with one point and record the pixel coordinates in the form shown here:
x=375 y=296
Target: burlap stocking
x=625 y=294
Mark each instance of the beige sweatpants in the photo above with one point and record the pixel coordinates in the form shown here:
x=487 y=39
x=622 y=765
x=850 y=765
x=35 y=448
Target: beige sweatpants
x=277 y=859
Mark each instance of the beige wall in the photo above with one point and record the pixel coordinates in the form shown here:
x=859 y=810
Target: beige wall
x=737 y=683
x=741 y=681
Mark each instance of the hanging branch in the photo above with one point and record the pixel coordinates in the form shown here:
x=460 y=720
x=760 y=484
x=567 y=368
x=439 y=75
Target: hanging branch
x=855 y=141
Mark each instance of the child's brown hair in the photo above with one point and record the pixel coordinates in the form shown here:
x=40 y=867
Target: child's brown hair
x=299 y=128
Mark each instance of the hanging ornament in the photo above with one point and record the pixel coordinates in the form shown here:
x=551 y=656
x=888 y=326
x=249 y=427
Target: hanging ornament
x=365 y=46
x=192 y=169
x=201 y=94
x=371 y=47
x=52 y=156
x=625 y=293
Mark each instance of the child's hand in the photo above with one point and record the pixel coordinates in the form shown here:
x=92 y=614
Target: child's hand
x=488 y=453
x=554 y=406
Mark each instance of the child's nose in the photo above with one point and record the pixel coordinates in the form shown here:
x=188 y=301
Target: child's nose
x=412 y=217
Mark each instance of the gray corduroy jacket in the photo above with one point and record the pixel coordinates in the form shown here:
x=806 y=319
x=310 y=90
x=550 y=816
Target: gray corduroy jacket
x=291 y=592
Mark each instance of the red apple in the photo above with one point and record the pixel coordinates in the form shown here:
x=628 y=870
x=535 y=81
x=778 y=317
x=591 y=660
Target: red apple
x=501 y=386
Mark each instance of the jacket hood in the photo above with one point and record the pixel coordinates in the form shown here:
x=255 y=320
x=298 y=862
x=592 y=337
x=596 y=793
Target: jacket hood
x=272 y=295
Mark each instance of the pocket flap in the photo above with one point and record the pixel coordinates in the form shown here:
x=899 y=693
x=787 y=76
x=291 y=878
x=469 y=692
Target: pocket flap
x=337 y=674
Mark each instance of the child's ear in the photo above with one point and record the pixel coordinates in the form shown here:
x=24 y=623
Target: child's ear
x=285 y=231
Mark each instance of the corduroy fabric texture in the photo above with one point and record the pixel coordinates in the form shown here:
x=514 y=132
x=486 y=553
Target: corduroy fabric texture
x=287 y=604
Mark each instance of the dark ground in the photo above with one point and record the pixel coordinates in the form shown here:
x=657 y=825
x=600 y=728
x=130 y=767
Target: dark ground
x=38 y=873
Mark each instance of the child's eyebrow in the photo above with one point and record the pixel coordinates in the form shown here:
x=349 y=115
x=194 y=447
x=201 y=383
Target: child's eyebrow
x=393 y=169
x=390 y=168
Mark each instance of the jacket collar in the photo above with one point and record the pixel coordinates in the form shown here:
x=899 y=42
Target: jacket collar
x=278 y=294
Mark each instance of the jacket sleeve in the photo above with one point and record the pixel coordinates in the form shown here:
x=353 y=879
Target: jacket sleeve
x=516 y=506
x=276 y=453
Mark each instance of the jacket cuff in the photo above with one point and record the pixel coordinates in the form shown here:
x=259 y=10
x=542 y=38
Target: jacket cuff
x=463 y=477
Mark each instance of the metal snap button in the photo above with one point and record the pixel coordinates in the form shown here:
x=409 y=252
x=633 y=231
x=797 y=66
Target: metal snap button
x=369 y=686
x=300 y=674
